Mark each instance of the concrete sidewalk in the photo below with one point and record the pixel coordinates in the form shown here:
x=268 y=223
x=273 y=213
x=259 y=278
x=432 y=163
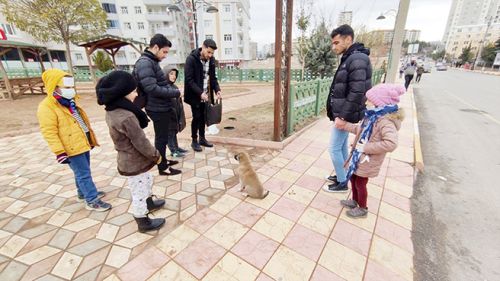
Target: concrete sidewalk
x=298 y=232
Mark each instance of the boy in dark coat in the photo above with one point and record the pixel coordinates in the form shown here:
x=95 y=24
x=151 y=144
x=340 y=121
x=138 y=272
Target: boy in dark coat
x=136 y=156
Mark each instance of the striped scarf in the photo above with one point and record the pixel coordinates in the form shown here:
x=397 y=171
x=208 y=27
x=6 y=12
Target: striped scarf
x=371 y=117
x=71 y=105
x=205 y=74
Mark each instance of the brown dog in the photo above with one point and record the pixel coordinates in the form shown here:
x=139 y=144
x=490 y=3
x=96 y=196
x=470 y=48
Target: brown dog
x=249 y=180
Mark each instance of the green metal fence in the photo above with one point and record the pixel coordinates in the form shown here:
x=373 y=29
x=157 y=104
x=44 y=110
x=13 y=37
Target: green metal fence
x=308 y=99
x=223 y=75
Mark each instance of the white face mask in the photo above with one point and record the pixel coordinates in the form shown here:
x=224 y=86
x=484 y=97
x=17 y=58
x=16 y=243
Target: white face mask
x=67 y=93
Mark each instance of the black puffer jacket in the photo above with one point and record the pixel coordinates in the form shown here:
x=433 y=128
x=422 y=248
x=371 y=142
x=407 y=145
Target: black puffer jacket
x=152 y=83
x=352 y=79
x=193 y=78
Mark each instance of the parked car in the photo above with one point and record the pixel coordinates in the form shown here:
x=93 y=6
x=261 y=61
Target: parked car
x=441 y=67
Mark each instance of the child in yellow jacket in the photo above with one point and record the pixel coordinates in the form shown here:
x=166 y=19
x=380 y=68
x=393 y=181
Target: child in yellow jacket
x=66 y=128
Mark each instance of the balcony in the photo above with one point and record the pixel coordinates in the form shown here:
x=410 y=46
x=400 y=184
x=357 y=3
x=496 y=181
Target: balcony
x=159 y=17
x=155 y=2
x=168 y=32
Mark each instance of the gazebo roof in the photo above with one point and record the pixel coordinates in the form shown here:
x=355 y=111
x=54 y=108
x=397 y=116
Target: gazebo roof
x=16 y=44
x=108 y=41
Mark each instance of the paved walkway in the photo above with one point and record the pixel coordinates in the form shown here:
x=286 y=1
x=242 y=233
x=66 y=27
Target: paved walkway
x=298 y=232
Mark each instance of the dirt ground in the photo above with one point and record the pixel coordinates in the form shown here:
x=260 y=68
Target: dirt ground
x=19 y=116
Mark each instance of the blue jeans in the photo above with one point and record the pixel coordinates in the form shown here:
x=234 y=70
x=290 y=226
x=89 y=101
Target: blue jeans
x=80 y=164
x=338 y=152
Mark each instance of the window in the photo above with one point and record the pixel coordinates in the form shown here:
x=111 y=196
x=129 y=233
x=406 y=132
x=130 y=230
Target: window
x=124 y=10
x=78 y=56
x=9 y=29
x=133 y=55
x=209 y=36
x=120 y=55
x=112 y=24
x=109 y=8
x=145 y=40
x=140 y=25
x=57 y=56
x=138 y=10
x=228 y=51
x=228 y=37
x=208 y=23
x=227 y=8
x=227 y=22
x=127 y=25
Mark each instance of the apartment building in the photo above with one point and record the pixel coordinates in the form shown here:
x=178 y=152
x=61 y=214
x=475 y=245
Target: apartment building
x=469 y=21
x=229 y=27
x=134 y=19
x=345 y=17
x=411 y=35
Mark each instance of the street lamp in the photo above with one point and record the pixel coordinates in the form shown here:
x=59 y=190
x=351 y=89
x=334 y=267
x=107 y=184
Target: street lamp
x=481 y=43
x=383 y=17
x=210 y=9
x=397 y=38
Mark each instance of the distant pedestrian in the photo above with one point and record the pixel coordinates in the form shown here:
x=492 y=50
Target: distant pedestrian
x=420 y=71
x=401 y=71
x=173 y=144
x=346 y=100
x=136 y=156
x=66 y=128
x=375 y=136
x=409 y=72
x=153 y=85
x=200 y=83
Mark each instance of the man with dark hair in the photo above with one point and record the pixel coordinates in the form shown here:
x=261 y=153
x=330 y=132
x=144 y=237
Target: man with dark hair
x=346 y=101
x=156 y=95
x=200 y=81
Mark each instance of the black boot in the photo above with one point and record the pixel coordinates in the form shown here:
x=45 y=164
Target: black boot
x=204 y=142
x=146 y=224
x=196 y=146
x=169 y=172
x=154 y=204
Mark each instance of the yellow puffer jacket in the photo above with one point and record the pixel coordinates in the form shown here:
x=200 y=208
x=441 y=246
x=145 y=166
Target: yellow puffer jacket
x=59 y=128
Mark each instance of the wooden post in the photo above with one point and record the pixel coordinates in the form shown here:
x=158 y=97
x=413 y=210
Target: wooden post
x=92 y=72
x=288 y=62
x=277 y=70
x=8 y=87
x=21 y=56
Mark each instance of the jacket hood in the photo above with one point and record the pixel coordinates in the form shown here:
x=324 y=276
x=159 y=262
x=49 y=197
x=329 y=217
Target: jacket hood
x=51 y=78
x=196 y=53
x=150 y=55
x=397 y=117
x=166 y=70
x=358 y=48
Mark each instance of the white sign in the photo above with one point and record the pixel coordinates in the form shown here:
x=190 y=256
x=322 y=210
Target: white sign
x=413 y=48
x=497 y=59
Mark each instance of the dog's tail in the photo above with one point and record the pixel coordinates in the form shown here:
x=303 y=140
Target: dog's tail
x=265 y=194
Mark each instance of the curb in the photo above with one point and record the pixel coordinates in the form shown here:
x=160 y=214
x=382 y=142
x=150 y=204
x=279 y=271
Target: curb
x=418 y=156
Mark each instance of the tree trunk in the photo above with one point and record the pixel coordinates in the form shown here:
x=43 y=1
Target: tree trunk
x=68 y=57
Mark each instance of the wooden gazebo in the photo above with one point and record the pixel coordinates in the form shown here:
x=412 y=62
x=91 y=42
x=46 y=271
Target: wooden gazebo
x=19 y=85
x=110 y=44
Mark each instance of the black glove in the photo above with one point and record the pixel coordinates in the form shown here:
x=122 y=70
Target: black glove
x=62 y=158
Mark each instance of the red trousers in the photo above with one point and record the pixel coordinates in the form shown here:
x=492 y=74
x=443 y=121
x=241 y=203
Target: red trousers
x=359 y=193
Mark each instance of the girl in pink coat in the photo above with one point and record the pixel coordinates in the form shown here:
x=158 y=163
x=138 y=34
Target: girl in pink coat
x=376 y=135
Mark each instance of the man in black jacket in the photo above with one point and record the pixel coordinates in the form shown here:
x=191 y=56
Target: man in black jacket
x=200 y=81
x=346 y=101
x=157 y=94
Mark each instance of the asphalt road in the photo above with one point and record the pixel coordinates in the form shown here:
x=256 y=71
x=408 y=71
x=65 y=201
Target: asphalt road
x=456 y=202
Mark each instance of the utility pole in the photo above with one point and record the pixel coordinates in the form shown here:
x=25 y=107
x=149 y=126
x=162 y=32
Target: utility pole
x=397 y=40
x=481 y=43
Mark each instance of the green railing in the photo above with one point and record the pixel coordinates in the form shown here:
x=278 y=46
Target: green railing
x=308 y=99
x=223 y=75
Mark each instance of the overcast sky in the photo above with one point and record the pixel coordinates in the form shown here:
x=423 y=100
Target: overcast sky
x=429 y=16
